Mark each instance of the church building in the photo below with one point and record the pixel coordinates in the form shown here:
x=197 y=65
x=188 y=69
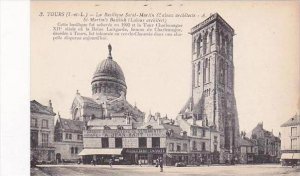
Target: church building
x=212 y=99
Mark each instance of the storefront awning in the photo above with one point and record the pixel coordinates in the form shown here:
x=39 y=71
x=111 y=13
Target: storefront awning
x=103 y=151
x=296 y=156
x=287 y=156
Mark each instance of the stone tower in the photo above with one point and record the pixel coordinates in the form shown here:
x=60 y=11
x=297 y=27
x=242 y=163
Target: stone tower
x=213 y=97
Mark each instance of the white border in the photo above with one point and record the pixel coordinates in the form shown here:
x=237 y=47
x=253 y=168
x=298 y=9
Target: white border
x=14 y=90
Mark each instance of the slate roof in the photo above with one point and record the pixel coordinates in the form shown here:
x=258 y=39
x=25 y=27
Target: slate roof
x=246 y=142
x=292 y=121
x=176 y=130
x=36 y=107
x=71 y=125
x=108 y=122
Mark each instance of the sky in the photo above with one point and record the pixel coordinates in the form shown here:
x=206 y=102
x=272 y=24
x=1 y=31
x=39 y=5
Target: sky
x=158 y=69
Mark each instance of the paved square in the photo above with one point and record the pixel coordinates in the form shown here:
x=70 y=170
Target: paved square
x=88 y=170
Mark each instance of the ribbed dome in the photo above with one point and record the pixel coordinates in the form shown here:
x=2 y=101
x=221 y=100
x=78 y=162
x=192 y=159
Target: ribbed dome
x=109 y=70
x=108 y=80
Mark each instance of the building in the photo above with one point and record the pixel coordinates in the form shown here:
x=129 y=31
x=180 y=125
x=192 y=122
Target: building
x=204 y=140
x=68 y=139
x=116 y=129
x=268 y=145
x=290 y=147
x=249 y=149
x=41 y=132
x=212 y=88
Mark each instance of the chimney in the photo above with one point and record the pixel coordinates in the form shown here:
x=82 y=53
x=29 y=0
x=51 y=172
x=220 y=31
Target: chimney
x=50 y=105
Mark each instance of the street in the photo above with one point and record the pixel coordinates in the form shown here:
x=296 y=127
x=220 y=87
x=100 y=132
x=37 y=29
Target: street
x=118 y=170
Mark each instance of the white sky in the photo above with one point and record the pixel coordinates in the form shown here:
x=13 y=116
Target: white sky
x=158 y=70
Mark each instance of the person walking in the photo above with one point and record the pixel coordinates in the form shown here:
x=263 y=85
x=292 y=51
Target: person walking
x=140 y=162
x=161 y=164
x=110 y=162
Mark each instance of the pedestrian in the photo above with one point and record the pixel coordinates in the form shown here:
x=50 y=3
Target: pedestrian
x=140 y=162
x=161 y=164
x=208 y=162
x=110 y=162
x=157 y=162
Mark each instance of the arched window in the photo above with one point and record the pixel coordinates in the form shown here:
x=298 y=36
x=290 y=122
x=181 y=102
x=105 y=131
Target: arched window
x=210 y=41
x=198 y=73
x=204 y=43
x=199 y=45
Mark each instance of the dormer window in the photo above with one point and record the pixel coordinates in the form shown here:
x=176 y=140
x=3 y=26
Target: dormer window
x=149 y=127
x=106 y=127
x=119 y=127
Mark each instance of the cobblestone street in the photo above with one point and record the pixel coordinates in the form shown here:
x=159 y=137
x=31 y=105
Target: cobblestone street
x=87 y=170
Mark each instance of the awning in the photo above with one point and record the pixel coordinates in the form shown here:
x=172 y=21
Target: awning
x=103 y=151
x=296 y=156
x=287 y=156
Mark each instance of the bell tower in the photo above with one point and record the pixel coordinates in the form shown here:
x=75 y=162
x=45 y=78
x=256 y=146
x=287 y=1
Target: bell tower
x=212 y=87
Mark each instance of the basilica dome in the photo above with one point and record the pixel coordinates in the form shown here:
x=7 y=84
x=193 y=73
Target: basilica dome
x=108 y=79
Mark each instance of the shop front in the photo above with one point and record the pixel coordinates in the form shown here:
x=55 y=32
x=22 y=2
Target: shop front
x=101 y=156
x=173 y=158
x=145 y=156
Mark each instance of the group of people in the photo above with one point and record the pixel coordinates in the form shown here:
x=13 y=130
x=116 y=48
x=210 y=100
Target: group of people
x=94 y=162
x=159 y=162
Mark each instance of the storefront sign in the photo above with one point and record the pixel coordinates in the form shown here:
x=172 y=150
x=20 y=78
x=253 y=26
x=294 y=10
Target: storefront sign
x=125 y=133
x=145 y=150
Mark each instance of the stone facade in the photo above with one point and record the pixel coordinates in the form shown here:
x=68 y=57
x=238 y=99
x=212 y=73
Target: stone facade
x=41 y=132
x=249 y=149
x=268 y=145
x=212 y=85
x=68 y=139
x=290 y=137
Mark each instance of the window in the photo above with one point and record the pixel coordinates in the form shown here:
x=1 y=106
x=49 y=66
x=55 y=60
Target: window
x=118 y=143
x=155 y=142
x=45 y=139
x=79 y=137
x=215 y=138
x=34 y=122
x=178 y=148
x=119 y=127
x=294 y=143
x=76 y=150
x=68 y=136
x=34 y=138
x=294 y=131
x=104 y=142
x=203 y=132
x=143 y=142
x=184 y=148
x=171 y=146
x=215 y=147
x=44 y=123
x=72 y=150
x=194 y=131
x=203 y=146
x=194 y=145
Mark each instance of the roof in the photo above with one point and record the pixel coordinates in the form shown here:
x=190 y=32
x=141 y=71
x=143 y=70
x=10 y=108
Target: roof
x=246 y=142
x=110 y=70
x=36 y=107
x=295 y=120
x=108 y=122
x=209 y=20
x=69 y=124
